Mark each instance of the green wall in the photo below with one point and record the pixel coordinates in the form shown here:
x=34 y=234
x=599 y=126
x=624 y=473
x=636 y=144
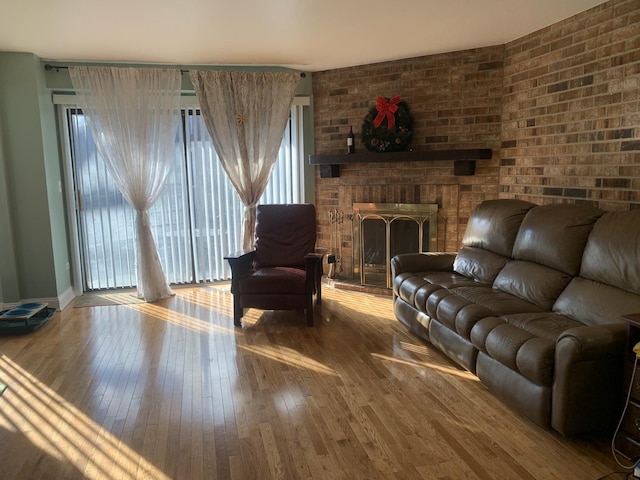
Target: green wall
x=34 y=250
x=8 y=269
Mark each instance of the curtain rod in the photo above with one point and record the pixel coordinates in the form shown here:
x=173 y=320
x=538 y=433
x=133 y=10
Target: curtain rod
x=48 y=67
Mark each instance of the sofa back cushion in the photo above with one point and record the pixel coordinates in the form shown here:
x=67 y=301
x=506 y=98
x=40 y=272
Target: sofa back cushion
x=481 y=265
x=488 y=239
x=595 y=303
x=609 y=281
x=532 y=282
x=612 y=253
x=555 y=235
x=493 y=225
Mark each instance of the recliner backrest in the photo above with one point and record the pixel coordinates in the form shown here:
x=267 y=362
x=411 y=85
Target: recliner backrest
x=284 y=235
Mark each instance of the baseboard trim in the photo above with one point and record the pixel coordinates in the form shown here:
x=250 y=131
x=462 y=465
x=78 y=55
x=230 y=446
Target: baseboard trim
x=66 y=298
x=59 y=302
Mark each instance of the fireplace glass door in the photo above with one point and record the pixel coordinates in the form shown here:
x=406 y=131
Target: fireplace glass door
x=382 y=231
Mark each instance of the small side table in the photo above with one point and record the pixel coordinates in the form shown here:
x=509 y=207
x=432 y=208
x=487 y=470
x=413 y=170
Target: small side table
x=627 y=441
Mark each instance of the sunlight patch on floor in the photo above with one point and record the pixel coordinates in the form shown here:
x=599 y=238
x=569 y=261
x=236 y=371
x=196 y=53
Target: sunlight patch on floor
x=433 y=366
x=215 y=298
x=289 y=357
x=62 y=431
x=180 y=319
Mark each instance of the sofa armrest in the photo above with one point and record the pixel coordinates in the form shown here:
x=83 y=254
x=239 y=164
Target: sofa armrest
x=592 y=342
x=589 y=366
x=422 y=262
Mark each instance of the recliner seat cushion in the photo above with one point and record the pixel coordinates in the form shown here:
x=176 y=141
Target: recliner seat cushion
x=277 y=280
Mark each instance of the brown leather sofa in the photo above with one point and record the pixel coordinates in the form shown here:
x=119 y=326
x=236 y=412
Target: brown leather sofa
x=531 y=304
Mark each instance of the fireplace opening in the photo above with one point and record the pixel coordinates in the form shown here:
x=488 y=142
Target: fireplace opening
x=383 y=230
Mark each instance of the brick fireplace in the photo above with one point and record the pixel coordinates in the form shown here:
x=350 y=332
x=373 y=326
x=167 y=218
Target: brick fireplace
x=455 y=102
x=383 y=230
x=559 y=108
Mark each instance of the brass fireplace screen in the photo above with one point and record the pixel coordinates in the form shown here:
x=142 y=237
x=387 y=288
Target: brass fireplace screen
x=383 y=230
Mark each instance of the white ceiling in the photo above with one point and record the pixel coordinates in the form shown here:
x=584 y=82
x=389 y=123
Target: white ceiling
x=309 y=35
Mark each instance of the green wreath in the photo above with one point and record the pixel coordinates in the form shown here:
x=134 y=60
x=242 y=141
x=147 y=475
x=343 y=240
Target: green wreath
x=388 y=126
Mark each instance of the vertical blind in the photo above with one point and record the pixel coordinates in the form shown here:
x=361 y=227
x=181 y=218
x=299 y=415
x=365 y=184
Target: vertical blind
x=197 y=220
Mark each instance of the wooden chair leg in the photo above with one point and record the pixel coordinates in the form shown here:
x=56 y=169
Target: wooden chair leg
x=309 y=311
x=237 y=311
x=319 y=284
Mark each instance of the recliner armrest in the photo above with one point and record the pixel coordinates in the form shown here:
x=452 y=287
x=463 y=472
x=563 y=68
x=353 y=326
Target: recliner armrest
x=238 y=254
x=240 y=263
x=313 y=269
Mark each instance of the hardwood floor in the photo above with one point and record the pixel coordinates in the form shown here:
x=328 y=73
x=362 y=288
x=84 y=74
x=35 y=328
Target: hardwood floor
x=173 y=390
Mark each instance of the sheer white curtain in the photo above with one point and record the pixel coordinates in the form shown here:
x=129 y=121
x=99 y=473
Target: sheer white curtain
x=134 y=116
x=246 y=114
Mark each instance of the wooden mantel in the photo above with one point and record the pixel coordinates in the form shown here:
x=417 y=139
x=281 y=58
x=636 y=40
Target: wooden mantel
x=464 y=160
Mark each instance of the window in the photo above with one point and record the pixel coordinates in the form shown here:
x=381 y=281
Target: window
x=197 y=220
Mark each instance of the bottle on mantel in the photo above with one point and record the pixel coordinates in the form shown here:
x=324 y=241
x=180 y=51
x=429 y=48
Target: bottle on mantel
x=351 y=144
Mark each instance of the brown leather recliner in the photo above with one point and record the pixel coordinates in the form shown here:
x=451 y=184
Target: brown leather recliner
x=284 y=271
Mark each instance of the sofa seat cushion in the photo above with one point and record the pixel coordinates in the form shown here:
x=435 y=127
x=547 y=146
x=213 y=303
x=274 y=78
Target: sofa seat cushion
x=523 y=342
x=406 y=285
x=450 y=280
x=460 y=308
x=400 y=278
x=276 y=280
x=496 y=301
x=414 y=288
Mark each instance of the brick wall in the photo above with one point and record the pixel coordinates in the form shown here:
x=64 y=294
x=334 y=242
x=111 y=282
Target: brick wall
x=560 y=108
x=455 y=101
x=571 y=116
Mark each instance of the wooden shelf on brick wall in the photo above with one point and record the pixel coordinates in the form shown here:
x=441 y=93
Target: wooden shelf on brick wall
x=464 y=160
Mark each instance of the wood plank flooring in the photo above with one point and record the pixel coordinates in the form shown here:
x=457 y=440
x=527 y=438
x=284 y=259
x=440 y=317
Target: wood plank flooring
x=173 y=391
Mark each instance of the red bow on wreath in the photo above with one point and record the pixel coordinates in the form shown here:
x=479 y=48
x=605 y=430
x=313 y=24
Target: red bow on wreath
x=386 y=109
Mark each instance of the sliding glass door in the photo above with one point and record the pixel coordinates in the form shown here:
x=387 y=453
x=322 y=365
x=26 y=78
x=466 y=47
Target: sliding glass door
x=197 y=220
